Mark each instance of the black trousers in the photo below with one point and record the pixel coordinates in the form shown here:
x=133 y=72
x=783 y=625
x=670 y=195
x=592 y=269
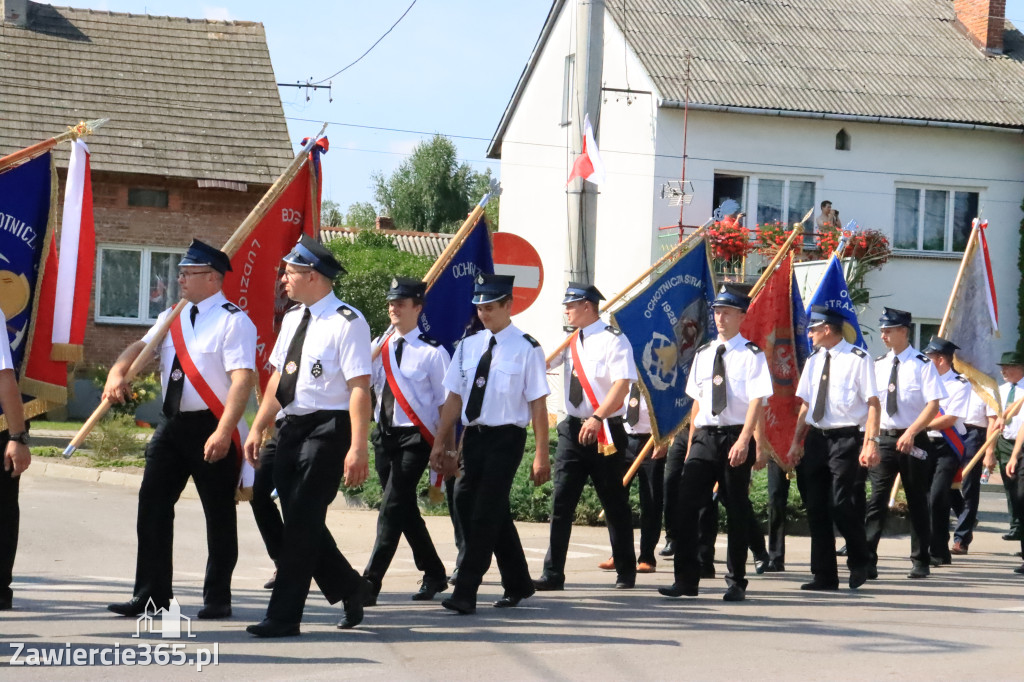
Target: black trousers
x=944 y=464
x=264 y=509
x=965 y=501
x=490 y=459
x=1018 y=492
x=827 y=479
x=574 y=464
x=1004 y=447
x=173 y=455
x=708 y=516
x=707 y=464
x=400 y=457
x=915 y=476
x=308 y=467
x=460 y=538
x=651 y=481
x=10 y=517
x=778 y=499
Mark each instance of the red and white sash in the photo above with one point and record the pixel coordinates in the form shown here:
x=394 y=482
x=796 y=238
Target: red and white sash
x=605 y=445
x=188 y=366
x=403 y=396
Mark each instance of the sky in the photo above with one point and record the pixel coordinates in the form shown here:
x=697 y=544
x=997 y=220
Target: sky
x=448 y=67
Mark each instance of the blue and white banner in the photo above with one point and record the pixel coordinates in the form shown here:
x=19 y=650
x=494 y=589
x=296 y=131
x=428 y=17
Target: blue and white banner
x=666 y=323
x=448 y=306
x=833 y=293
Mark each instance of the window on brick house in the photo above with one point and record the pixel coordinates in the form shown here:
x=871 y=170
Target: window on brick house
x=134 y=284
x=147 y=198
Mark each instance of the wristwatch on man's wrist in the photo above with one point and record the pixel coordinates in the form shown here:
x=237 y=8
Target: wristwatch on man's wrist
x=20 y=437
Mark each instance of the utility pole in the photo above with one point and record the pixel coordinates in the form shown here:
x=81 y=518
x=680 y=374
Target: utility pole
x=586 y=101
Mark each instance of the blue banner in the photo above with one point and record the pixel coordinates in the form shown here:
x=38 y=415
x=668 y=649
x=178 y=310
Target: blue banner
x=802 y=344
x=448 y=308
x=833 y=293
x=24 y=216
x=666 y=323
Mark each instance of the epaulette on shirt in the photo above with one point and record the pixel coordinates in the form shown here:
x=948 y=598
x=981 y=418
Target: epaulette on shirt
x=706 y=345
x=231 y=308
x=428 y=340
x=962 y=379
x=880 y=358
x=568 y=329
x=859 y=352
x=533 y=342
x=293 y=306
x=347 y=312
x=923 y=358
x=754 y=348
x=613 y=330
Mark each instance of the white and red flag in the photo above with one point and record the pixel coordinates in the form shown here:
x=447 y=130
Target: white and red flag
x=588 y=165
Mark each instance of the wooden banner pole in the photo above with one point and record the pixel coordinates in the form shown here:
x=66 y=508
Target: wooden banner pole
x=73 y=133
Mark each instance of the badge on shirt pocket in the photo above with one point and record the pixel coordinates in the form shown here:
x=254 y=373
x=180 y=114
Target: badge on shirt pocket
x=316 y=370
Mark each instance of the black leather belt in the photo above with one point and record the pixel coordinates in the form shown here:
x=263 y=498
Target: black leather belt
x=734 y=429
x=839 y=431
x=481 y=428
x=891 y=433
x=972 y=427
x=580 y=420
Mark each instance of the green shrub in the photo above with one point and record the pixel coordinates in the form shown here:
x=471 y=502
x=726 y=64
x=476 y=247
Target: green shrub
x=114 y=440
x=145 y=387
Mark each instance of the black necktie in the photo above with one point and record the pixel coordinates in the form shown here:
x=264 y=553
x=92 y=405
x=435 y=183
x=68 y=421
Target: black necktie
x=476 y=394
x=176 y=382
x=387 y=398
x=575 y=387
x=290 y=377
x=633 y=411
x=718 y=399
x=819 y=401
x=894 y=386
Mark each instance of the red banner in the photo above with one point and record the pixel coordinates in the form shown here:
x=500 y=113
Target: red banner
x=769 y=324
x=254 y=283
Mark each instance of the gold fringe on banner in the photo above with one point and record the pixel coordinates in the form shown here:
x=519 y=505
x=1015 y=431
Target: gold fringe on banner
x=33 y=408
x=58 y=395
x=243 y=494
x=67 y=352
x=984 y=385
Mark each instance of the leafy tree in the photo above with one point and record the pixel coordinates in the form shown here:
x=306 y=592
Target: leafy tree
x=330 y=214
x=371 y=260
x=361 y=214
x=430 y=191
x=481 y=184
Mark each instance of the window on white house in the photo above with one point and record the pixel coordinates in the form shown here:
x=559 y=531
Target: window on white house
x=135 y=284
x=567 y=89
x=783 y=201
x=933 y=219
x=923 y=332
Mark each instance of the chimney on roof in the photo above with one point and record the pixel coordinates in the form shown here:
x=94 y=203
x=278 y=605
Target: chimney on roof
x=983 y=21
x=15 y=12
x=385 y=223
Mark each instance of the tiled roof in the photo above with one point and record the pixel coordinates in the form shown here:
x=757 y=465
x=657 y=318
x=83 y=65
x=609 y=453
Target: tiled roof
x=186 y=98
x=420 y=243
x=895 y=59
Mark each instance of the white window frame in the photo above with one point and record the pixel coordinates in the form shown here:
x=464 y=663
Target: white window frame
x=916 y=339
x=144 y=272
x=950 y=204
x=568 y=73
x=754 y=189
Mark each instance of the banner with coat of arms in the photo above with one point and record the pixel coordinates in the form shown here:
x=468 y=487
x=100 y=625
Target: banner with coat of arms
x=665 y=324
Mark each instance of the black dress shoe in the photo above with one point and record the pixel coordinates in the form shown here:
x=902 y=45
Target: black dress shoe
x=136 y=606
x=677 y=590
x=354 y=605
x=1019 y=570
x=214 y=611
x=819 y=585
x=273 y=628
x=707 y=571
x=669 y=549
x=940 y=561
x=6 y=604
x=510 y=600
x=734 y=593
x=841 y=551
x=919 y=571
x=547 y=584
x=858 y=576
x=625 y=582
x=453 y=577
x=1012 y=536
x=872 y=573
x=775 y=567
x=463 y=606
x=760 y=565
x=429 y=587
x=269 y=585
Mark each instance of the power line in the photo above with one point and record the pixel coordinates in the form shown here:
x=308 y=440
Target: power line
x=390 y=130
x=370 y=48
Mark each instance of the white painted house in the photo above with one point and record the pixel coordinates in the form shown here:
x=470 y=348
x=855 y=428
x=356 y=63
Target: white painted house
x=906 y=114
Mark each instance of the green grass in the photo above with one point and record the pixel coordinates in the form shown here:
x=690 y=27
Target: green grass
x=75 y=425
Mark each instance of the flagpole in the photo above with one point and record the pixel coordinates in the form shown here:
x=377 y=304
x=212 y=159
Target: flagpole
x=73 y=133
x=230 y=247
x=625 y=290
x=968 y=252
x=1011 y=411
x=467 y=226
x=641 y=456
x=798 y=229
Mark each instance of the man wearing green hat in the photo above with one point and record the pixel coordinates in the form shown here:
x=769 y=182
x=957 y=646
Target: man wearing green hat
x=1012 y=389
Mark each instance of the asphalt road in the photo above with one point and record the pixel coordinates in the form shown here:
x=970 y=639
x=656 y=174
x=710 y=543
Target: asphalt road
x=77 y=554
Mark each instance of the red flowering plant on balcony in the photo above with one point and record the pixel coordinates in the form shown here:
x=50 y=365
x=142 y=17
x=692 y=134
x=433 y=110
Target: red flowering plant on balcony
x=729 y=241
x=771 y=236
x=869 y=250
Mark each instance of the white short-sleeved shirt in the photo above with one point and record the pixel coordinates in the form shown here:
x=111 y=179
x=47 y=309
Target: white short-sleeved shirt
x=746 y=378
x=607 y=357
x=643 y=423
x=516 y=378
x=851 y=383
x=424 y=363
x=977 y=410
x=5 y=347
x=958 y=390
x=1012 y=426
x=336 y=349
x=223 y=340
x=919 y=384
